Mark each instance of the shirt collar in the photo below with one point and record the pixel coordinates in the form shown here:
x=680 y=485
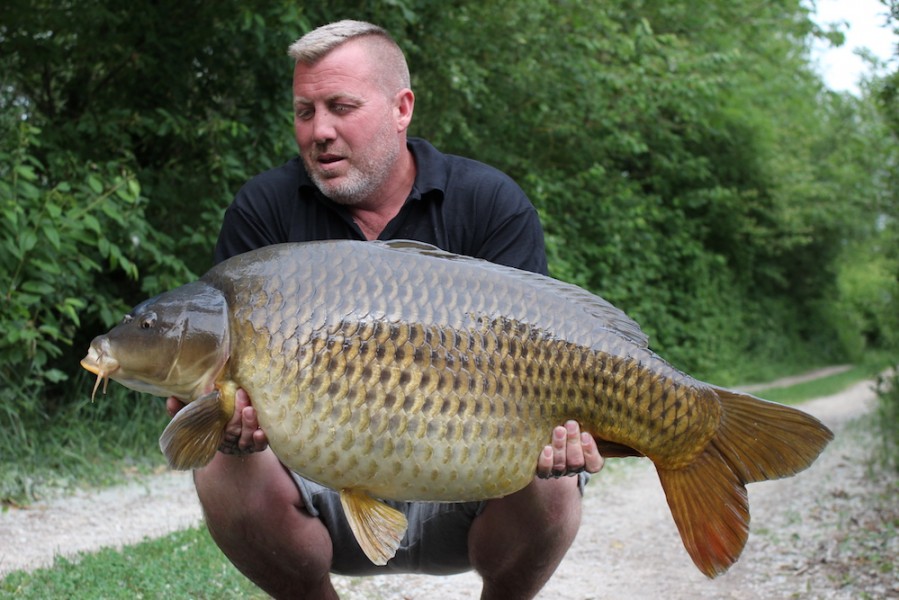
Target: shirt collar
x=431 y=171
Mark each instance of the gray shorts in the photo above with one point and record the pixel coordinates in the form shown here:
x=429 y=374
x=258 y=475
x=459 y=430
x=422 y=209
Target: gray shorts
x=435 y=543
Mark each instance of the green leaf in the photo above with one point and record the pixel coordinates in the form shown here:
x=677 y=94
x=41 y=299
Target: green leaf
x=95 y=184
x=27 y=299
x=11 y=216
x=134 y=187
x=52 y=235
x=91 y=222
x=27 y=241
x=55 y=375
x=26 y=172
x=37 y=287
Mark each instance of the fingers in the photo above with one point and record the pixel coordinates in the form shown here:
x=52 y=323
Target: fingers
x=570 y=452
x=559 y=446
x=573 y=461
x=251 y=437
x=545 y=463
x=242 y=434
x=593 y=460
x=173 y=405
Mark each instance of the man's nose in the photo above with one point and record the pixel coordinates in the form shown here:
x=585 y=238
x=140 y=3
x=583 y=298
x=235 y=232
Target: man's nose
x=323 y=127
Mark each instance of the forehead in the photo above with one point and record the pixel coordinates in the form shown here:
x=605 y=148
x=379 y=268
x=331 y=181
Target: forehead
x=346 y=70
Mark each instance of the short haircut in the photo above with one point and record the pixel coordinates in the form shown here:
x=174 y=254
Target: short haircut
x=393 y=73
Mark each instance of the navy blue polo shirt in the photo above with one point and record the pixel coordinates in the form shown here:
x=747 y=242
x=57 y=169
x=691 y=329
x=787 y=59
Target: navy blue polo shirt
x=457 y=204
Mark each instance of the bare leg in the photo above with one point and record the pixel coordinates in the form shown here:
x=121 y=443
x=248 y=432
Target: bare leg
x=518 y=541
x=253 y=512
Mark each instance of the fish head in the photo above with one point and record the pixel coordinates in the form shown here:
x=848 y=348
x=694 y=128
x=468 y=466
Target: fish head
x=174 y=344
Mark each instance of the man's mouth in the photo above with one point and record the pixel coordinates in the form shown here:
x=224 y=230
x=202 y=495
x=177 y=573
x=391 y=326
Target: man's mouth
x=328 y=159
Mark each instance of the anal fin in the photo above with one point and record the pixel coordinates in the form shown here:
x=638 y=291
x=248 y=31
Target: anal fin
x=378 y=527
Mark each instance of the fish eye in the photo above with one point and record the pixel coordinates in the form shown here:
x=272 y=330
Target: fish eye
x=148 y=321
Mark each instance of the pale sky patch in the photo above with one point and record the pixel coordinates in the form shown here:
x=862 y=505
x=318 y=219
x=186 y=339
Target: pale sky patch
x=841 y=68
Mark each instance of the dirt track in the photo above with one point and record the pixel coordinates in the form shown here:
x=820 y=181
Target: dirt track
x=802 y=542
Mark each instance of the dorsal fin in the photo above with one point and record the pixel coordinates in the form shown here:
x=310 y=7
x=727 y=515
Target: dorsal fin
x=610 y=316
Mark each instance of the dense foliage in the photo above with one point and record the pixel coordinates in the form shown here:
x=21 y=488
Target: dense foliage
x=686 y=160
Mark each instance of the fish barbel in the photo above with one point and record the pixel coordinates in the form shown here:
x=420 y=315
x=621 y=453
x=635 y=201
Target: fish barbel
x=395 y=370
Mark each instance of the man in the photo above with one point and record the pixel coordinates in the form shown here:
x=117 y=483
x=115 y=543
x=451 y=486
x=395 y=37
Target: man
x=358 y=176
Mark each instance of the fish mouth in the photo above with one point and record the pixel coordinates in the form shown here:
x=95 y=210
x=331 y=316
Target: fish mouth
x=101 y=364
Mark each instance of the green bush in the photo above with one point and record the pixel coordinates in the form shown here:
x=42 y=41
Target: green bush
x=69 y=246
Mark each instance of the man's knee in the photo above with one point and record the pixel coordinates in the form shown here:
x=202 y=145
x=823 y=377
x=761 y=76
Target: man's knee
x=236 y=493
x=545 y=516
x=255 y=516
x=518 y=541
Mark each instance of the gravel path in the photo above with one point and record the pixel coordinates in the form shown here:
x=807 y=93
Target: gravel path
x=808 y=533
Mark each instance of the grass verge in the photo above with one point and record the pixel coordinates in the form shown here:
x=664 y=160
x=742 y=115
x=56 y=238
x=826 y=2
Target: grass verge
x=82 y=444
x=816 y=388
x=186 y=564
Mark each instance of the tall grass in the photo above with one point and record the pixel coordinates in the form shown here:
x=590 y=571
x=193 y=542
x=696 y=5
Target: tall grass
x=86 y=442
x=887 y=422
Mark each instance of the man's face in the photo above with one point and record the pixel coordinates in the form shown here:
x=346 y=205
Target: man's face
x=346 y=127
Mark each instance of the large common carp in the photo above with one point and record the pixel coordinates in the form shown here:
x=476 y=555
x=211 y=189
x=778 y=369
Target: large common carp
x=399 y=371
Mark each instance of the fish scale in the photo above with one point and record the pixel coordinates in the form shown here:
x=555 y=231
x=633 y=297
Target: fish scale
x=400 y=371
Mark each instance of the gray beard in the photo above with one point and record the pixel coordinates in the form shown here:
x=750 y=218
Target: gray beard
x=355 y=188
x=361 y=182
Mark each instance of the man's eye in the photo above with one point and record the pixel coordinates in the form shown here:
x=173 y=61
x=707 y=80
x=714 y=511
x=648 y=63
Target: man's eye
x=341 y=108
x=303 y=114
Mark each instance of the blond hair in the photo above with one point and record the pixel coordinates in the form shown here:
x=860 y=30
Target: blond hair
x=392 y=70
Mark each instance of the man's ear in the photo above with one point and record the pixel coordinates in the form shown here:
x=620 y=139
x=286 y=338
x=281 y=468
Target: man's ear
x=404 y=104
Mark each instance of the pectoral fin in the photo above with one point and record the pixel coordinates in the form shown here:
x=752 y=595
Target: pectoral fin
x=378 y=528
x=192 y=438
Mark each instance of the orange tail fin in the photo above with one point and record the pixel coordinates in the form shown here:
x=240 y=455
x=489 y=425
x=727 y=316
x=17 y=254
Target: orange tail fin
x=756 y=441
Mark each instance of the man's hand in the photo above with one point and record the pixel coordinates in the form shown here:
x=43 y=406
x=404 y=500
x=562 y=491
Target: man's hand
x=571 y=452
x=242 y=434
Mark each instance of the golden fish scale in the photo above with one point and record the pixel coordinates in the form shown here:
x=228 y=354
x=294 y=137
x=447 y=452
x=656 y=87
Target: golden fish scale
x=433 y=382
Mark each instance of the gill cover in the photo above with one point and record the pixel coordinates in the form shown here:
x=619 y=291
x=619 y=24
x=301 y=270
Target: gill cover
x=175 y=344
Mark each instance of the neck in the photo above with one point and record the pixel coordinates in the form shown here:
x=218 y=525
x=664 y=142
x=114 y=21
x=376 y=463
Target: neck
x=373 y=215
